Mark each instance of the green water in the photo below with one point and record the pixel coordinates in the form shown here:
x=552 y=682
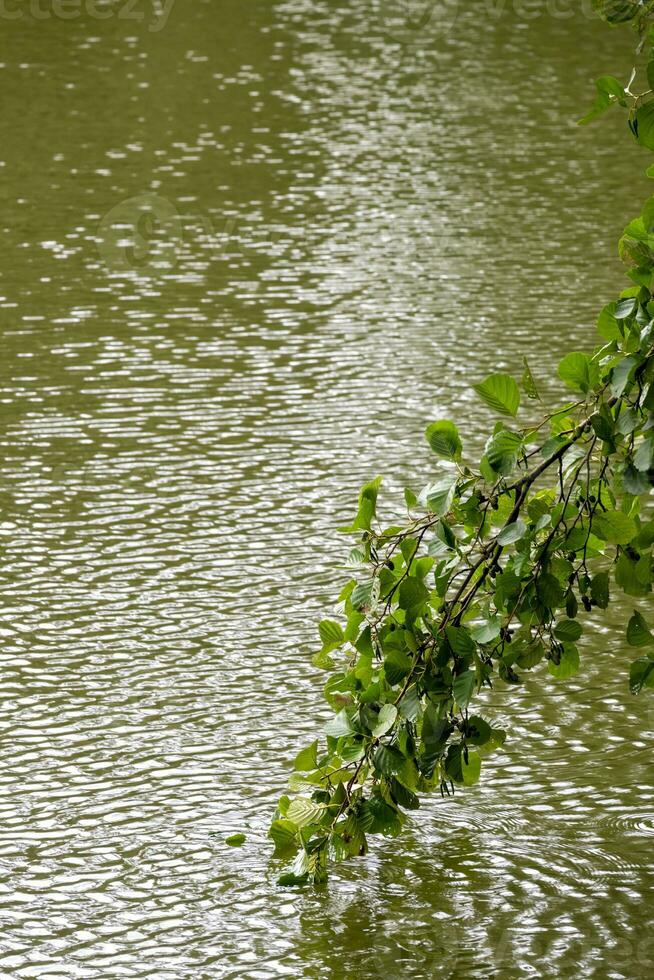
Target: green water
x=342 y=220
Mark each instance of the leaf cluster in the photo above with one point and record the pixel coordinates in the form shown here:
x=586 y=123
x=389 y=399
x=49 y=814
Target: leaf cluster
x=494 y=570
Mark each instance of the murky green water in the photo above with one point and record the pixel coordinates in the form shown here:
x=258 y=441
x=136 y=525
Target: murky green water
x=341 y=223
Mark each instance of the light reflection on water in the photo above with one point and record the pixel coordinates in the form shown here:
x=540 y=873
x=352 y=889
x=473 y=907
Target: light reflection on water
x=355 y=225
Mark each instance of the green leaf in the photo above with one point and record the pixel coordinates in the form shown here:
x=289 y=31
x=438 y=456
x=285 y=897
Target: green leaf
x=621 y=375
x=339 y=726
x=624 y=308
x=397 y=666
x=460 y=640
x=602 y=424
x=607 y=325
x=644 y=454
x=609 y=92
x=568 y=630
x=284 y=836
x=614 y=526
x=470 y=769
x=289 y=879
x=410 y=498
x=578 y=372
x=322 y=661
x=599 y=589
x=501 y=393
x=550 y=591
x=388 y=760
x=568 y=665
x=530 y=655
x=644 y=123
x=363 y=594
x=303 y=812
x=352 y=753
x=412 y=596
x=409 y=706
x=641 y=674
x=367 y=506
x=236 y=840
x=528 y=382
x=633 y=575
x=439 y=496
x=512 y=533
x=331 y=635
x=486 y=632
x=463 y=686
x=478 y=731
x=617 y=11
x=634 y=481
x=502 y=451
x=435 y=733
x=307 y=759
x=385 y=721
x=638 y=632
x=443 y=437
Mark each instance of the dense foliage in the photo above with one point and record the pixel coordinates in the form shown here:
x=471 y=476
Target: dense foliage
x=494 y=568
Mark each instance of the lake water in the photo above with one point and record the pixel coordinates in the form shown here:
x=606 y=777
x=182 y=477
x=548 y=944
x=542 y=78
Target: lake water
x=345 y=214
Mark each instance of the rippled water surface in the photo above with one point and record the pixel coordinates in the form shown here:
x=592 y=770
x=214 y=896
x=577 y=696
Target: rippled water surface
x=341 y=221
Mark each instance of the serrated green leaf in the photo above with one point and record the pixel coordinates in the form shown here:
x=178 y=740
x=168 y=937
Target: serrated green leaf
x=283 y=833
x=461 y=641
x=388 y=760
x=609 y=92
x=512 y=533
x=502 y=451
x=638 y=632
x=486 y=632
x=644 y=124
x=568 y=630
x=478 y=731
x=463 y=687
x=443 y=437
x=568 y=665
x=303 y=812
x=599 y=589
x=578 y=372
x=501 y=393
x=528 y=382
x=331 y=634
x=385 y=721
x=397 y=665
x=363 y=595
x=614 y=526
x=440 y=496
x=307 y=759
x=340 y=725
x=367 y=506
x=470 y=767
x=641 y=674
